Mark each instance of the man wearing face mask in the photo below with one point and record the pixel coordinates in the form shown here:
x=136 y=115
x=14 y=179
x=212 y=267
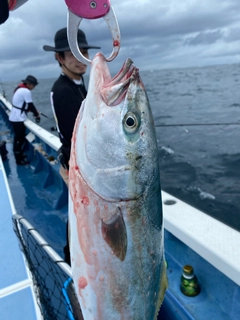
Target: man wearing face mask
x=67 y=95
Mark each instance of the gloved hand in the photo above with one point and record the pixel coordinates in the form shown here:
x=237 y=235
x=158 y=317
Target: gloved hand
x=37 y=119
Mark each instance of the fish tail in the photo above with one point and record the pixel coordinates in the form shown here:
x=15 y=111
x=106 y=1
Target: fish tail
x=162 y=289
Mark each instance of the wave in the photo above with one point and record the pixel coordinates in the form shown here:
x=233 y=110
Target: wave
x=202 y=194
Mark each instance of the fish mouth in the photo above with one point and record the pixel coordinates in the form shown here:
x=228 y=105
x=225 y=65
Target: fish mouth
x=114 y=91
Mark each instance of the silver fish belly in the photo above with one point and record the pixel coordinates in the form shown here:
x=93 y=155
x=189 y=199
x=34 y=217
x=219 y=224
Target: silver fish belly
x=115 y=208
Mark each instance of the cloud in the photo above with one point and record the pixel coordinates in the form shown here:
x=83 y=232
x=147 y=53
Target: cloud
x=155 y=34
x=205 y=38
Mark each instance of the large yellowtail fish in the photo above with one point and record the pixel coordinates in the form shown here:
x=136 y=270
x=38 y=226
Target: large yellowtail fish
x=115 y=209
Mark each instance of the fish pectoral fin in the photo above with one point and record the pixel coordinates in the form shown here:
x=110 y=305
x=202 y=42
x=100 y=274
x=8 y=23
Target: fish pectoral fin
x=115 y=234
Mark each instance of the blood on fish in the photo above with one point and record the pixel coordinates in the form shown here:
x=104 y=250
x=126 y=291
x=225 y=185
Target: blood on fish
x=82 y=283
x=85 y=201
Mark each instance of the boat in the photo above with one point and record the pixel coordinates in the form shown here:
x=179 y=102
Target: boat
x=31 y=192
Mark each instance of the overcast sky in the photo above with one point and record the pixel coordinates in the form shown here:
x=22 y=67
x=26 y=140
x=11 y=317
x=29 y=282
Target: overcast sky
x=156 y=34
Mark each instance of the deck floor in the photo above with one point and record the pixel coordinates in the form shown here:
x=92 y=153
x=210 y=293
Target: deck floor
x=16 y=294
x=31 y=200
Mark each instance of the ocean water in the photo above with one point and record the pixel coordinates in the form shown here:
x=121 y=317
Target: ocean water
x=197 y=118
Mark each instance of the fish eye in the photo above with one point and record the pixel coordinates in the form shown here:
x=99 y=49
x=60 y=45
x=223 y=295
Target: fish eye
x=130 y=122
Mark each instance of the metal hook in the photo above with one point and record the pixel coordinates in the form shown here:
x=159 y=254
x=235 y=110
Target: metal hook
x=72 y=30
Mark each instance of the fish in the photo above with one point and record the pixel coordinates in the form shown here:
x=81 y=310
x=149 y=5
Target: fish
x=115 y=207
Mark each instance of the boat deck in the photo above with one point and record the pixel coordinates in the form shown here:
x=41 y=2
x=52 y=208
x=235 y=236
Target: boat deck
x=39 y=193
x=16 y=291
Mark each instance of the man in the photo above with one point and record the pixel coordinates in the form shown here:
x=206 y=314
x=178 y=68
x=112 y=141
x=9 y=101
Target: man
x=68 y=91
x=21 y=104
x=67 y=95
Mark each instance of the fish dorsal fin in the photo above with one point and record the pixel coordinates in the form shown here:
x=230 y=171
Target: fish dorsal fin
x=115 y=234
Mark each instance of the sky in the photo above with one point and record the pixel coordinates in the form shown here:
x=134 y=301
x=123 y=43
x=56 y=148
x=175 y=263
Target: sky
x=157 y=34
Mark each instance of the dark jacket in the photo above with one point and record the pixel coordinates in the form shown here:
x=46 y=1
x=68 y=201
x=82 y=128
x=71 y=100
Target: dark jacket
x=67 y=98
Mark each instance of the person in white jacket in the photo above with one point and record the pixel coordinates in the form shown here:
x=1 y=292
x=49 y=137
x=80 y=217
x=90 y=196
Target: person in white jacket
x=21 y=104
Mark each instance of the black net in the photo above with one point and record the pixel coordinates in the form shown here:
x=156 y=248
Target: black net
x=50 y=274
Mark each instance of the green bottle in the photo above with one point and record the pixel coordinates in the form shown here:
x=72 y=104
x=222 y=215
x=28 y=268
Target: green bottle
x=189 y=282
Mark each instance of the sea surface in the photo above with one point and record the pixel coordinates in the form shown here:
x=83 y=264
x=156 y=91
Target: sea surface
x=197 y=118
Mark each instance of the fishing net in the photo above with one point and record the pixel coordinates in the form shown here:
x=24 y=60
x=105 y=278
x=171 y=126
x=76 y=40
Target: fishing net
x=51 y=276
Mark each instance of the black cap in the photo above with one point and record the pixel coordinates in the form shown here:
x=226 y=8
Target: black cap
x=61 y=42
x=31 y=80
